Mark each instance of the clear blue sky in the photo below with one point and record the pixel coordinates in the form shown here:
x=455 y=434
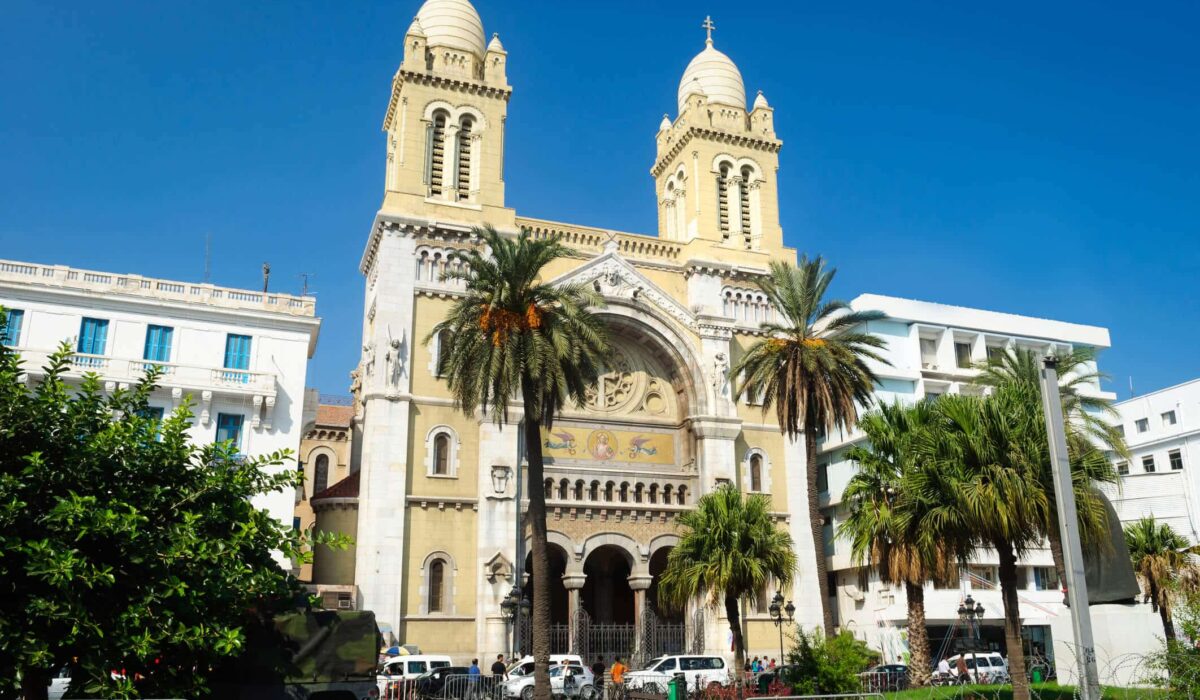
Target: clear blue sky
x=1030 y=157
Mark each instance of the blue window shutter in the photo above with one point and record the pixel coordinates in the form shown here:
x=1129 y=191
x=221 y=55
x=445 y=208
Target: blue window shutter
x=93 y=332
x=158 y=343
x=12 y=332
x=229 y=427
x=237 y=351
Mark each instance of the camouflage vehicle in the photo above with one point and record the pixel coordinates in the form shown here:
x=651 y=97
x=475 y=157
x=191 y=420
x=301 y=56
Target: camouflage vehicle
x=313 y=655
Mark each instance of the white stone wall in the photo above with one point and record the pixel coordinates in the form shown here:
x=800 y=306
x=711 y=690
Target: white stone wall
x=271 y=401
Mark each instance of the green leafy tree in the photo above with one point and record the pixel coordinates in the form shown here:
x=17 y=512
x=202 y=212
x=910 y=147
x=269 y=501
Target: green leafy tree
x=885 y=526
x=514 y=336
x=812 y=368
x=982 y=479
x=1162 y=561
x=1089 y=435
x=123 y=545
x=820 y=665
x=729 y=547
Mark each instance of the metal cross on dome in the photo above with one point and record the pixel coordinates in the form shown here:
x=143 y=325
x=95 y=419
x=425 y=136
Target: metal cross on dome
x=709 y=27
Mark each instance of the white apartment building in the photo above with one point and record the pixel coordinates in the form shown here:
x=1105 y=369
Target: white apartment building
x=241 y=356
x=1162 y=429
x=932 y=349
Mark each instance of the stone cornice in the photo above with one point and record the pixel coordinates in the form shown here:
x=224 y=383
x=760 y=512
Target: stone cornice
x=710 y=134
x=459 y=85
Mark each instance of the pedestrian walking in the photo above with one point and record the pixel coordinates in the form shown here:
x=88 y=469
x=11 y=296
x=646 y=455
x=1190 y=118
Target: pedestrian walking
x=618 y=677
x=598 y=674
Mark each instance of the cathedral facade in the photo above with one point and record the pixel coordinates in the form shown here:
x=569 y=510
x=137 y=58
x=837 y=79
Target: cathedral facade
x=438 y=545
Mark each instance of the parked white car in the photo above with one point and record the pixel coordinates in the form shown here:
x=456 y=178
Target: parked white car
x=698 y=671
x=408 y=667
x=524 y=666
x=569 y=680
x=982 y=667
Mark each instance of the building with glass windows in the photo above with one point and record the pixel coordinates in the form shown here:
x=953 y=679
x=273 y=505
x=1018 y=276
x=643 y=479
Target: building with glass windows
x=1162 y=429
x=239 y=357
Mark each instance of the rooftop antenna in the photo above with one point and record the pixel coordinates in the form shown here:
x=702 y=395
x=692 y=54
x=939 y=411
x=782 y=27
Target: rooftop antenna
x=207 y=258
x=266 y=275
x=305 y=276
x=1131 y=386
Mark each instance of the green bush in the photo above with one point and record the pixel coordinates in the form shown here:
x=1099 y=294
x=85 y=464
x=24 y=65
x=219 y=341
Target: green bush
x=827 y=665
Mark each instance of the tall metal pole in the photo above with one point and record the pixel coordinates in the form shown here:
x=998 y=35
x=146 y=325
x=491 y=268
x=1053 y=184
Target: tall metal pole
x=1068 y=528
x=519 y=564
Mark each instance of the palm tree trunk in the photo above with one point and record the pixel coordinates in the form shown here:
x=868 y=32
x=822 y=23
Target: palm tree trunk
x=541 y=560
x=918 y=635
x=735 y=628
x=1164 y=612
x=1012 y=620
x=816 y=521
x=1056 y=551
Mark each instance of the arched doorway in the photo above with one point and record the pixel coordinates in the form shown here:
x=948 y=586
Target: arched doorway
x=559 y=616
x=658 y=564
x=607 y=597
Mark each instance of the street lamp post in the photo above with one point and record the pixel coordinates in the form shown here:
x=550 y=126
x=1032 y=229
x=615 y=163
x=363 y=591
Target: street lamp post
x=971 y=612
x=777 y=610
x=1068 y=528
x=511 y=606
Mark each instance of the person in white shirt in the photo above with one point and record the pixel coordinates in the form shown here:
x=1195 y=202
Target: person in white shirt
x=943 y=668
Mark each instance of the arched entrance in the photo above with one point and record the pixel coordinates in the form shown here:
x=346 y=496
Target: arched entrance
x=559 y=615
x=664 y=612
x=607 y=597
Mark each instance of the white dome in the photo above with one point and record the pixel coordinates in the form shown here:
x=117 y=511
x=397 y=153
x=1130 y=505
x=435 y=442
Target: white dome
x=454 y=24
x=718 y=77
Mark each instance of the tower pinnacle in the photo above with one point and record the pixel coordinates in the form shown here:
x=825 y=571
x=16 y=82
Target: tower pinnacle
x=708 y=26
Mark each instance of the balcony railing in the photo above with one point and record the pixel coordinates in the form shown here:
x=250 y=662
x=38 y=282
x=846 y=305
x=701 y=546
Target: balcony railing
x=171 y=374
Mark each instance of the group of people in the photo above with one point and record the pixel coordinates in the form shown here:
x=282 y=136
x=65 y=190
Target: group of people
x=758 y=665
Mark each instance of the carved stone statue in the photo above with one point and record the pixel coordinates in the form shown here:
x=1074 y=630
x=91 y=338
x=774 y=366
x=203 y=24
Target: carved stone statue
x=368 y=360
x=394 y=360
x=720 y=373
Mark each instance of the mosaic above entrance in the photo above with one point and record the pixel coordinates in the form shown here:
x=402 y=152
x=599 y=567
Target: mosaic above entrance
x=597 y=445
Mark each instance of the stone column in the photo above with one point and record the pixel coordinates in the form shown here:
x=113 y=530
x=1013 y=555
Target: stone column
x=640 y=583
x=574 y=584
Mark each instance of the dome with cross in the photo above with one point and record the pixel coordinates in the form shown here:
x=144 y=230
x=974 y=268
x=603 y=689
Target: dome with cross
x=714 y=74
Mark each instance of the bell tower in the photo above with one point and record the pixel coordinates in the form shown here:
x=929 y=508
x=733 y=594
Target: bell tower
x=445 y=119
x=715 y=168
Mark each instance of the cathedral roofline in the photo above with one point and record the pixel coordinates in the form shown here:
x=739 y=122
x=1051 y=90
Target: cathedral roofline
x=769 y=145
x=463 y=85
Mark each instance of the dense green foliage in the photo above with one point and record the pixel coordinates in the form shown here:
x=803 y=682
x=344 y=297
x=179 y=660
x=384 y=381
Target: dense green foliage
x=729 y=547
x=827 y=665
x=123 y=546
x=813 y=367
x=513 y=335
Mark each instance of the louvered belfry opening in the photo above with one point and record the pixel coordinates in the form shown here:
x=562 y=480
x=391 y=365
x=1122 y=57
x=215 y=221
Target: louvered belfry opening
x=744 y=187
x=437 y=167
x=464 y=159
x=723 y=201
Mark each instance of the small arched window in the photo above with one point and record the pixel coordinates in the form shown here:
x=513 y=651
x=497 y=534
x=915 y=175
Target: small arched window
x=437 y=586
x=443 y=351
x=756 y=472
x=723 y=201
x=321 y=474
x=441 y=454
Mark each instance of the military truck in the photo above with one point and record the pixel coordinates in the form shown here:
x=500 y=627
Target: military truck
x=305 y=655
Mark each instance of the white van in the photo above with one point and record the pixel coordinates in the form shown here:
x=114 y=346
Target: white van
x=406 y=667
x=698 y=671
x=982 y=667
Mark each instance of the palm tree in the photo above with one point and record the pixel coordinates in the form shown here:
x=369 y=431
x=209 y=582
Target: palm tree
x=812 y=367
x=512 y=334
x=1160 y=558
x=985 y=483
x=729 y=547
x=1088 y=435
x=884 y=526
